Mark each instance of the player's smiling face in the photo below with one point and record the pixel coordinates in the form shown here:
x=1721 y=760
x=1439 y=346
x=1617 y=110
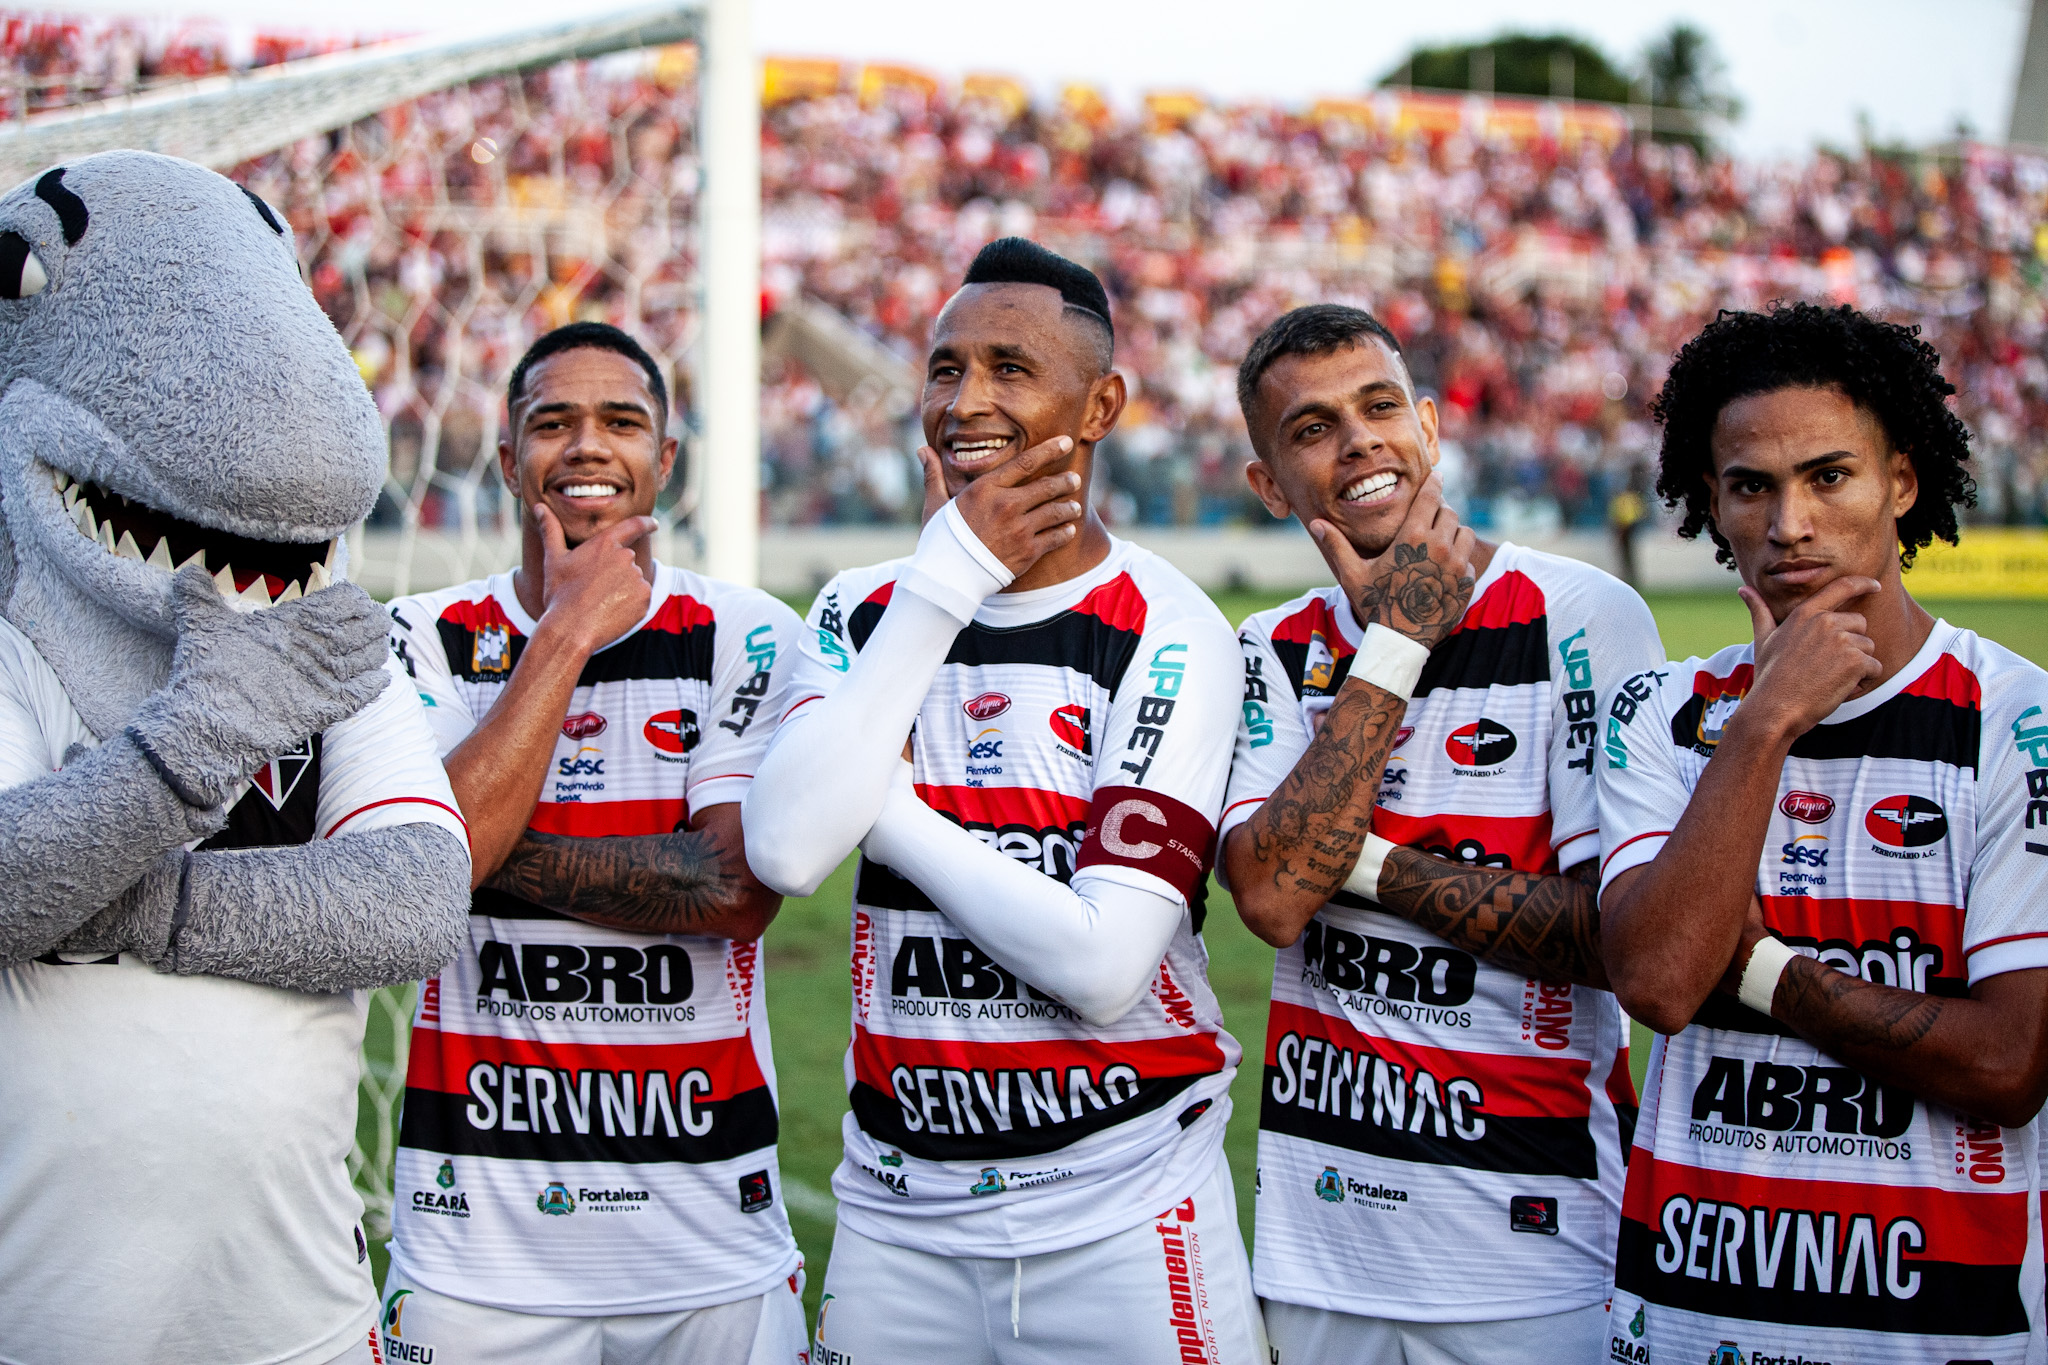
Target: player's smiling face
x=587 y=441
x=1343 y=437
x=1010 y=368
x=1806 y=489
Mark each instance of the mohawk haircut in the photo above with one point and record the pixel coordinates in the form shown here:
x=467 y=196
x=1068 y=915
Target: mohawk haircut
x=1016 y=260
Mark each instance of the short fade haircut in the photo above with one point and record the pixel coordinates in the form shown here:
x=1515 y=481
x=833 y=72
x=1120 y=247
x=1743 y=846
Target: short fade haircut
x=1882 y=367
x=593 y=336
x=1016 y=260
x=1316 y=329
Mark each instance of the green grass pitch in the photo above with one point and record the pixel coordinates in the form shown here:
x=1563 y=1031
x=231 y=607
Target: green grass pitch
x=806 y=950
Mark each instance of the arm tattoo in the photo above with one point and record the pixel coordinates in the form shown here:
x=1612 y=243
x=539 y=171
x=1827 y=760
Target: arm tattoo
x=1303 y=831
x=1817 y=1001
x=650 y=883
x=1546 y=927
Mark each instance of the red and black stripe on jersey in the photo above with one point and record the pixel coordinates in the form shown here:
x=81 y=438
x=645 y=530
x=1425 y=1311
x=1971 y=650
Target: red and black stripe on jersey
x=478 y=1094
x=1098 y=635
x=1502 y=640
x=1836 y=1236
x=676 y=643
x=983 y=1101
x=1938 y=718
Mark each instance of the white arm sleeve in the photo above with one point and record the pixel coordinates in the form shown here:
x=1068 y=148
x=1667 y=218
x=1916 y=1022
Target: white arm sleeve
x=1093 y=945
x=822 y=783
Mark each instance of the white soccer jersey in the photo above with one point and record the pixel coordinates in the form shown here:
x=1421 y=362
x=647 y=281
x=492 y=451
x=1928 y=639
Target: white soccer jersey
x=1415 y=1097
x=173 y=1149
x=590 y=1114
x=988 y=1119
x=1778 y=1200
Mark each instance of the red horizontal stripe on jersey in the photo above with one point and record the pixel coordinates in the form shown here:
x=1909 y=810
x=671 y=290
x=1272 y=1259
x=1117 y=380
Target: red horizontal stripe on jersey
x=1117 y=604
x=441 y=1060
x=1032 y=807
x=1525 y=839
x=1312 y=620
x=1869 y=921
x=1513 y=600
x=1964 y=1227
x=875 y=1055
x=472 y=615
x=1948 y=681
x=1621 y=1082
x=1736 y=684
x=1516 y=1087
x=680 y=613
x=663 y=815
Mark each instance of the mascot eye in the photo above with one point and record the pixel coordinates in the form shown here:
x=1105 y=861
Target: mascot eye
x=21 y=274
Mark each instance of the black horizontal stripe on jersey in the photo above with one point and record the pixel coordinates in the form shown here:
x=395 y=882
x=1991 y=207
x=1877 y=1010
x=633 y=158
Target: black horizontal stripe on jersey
x=1723 y=1011
x=458 y=643
x=1952 y=1299
x=879 y=887
x=658 y=655
x=1918 y=729
x=1078 y=640
x=1513 y=1146
x=1488 y=656
x=500 y=905
x=880 y=1116
x=439 y=1121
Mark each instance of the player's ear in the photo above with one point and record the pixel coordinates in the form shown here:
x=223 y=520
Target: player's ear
x=667 y=464
x=1106 y=399
x=1268 y=489
x=508 y=467
x=1905 y=481
x=1426 y=414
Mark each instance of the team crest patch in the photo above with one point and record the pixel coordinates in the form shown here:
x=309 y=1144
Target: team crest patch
x=491 y=651
x=1321 y=665
x=277 y=778
x=555 y=1200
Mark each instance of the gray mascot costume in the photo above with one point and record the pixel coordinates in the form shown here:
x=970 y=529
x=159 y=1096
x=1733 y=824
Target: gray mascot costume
x=221 y=816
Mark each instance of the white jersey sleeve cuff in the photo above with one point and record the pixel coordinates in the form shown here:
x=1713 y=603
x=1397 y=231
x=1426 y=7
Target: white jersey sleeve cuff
x=1580 y=848
x=2016 y=953
x=1633 y=852
x=717 y=790
x=1235 y=814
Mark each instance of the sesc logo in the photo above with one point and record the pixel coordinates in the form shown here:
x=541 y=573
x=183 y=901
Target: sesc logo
x=555 y=1200
x=1907 y=822
x=586 y=726
x=1070 y=727
x=1803 y=852
x=987 y=706
x=1482 y=744
x=672 y=732
x=1808 y=808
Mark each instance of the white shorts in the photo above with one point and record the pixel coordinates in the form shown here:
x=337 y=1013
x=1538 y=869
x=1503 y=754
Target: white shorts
x=1322 y=1336
x=420 y=1327
x=1173 y=1290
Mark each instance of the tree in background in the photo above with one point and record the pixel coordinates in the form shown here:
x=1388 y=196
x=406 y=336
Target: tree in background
x=1686 y=72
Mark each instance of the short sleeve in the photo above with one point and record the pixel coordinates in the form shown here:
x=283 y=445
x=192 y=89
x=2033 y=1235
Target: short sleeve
x=1270 y=736
x=2005 y=921
x=824 y=649
x=1599 y=634
x=416 y=645
x=755 y=655
x=1165 y=756
x=382 y=767
x=1641 y=791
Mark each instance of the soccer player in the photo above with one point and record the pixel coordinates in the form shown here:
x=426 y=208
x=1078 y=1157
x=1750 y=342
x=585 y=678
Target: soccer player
x=1826 y=882
x=1411 y=821
x=586 y=1169
x=1039 y=1073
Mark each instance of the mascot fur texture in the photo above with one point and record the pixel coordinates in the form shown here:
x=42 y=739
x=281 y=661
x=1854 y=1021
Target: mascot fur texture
x=183 y=437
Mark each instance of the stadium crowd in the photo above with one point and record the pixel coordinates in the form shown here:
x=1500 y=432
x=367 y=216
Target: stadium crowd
x=1539 y=272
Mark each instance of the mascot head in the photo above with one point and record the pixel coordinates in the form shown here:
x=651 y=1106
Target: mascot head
x=168 y=389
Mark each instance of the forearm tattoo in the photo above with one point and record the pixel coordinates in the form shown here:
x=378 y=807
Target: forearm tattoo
x=1541 y=926
x=1310 y=830
x=1420 y=597
x=652 y=883
x=1818 y=1003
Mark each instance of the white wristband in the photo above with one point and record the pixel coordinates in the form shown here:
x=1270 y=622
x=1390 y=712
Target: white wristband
x=952 y=569
x=1760 y=978
x=1365 y=878
x=1389 y=660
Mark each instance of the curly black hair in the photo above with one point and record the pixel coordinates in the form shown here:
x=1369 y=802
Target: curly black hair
x=1882 y=367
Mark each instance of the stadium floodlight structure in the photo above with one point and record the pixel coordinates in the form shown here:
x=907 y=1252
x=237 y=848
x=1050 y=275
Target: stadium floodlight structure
x=231 y=120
